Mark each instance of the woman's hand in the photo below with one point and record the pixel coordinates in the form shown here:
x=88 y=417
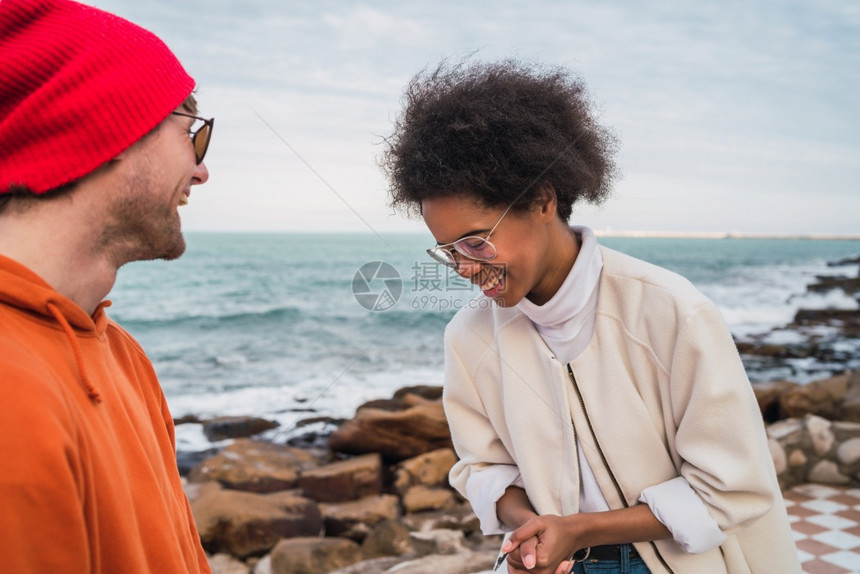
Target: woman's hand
x=543 y=545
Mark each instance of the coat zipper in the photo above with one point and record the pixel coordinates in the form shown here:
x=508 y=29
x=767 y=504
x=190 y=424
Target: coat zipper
x=605 y=462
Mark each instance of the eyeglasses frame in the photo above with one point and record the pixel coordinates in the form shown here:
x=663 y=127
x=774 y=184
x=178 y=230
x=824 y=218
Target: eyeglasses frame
x=206 y=122
x=452 y=249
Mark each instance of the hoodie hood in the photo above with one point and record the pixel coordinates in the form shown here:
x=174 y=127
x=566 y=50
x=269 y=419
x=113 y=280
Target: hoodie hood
x=22 y=288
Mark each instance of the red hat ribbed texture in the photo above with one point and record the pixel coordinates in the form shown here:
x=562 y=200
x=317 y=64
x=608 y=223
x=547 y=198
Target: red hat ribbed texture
x=77 y=87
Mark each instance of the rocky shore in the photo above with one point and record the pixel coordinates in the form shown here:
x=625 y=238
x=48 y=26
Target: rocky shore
x=370 y=495
x=818 y=342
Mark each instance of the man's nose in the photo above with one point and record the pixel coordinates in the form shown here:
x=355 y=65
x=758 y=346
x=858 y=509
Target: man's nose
x=201 y=174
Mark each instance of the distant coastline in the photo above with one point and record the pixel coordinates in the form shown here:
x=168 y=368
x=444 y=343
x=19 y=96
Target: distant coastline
x=727 y=235
x=597 y=232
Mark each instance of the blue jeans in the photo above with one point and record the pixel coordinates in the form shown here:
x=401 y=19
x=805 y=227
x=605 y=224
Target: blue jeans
x=625 y=565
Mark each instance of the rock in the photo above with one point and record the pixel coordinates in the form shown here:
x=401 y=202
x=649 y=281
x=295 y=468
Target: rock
x=845 y=261
x=849 y=285
x=421 y=497
x=405 y=398
x=777 y=453
x=818 y=398
x=323 y=420
x=849 y=452
x=264 y=566
x=247 y=524
x=820 y=434
x=430 y=469
x=354 y=520
x=388 y=538
x=439 y=542
x=768 y=394
x=465 y=563
x=827 y=472
x=848 y=320
x=313 y=555
x=429 y=392
x=846 y=427
x=226 y=564
x=255 y=466
x=349 y=479
x=380 y=565
x=187 y=419
x=797 y=458
x=187 y=460
x=235 y=427
x=783 y=429
x=396 y=435
x=314 y=433
x=850 y=407
x=462 y=517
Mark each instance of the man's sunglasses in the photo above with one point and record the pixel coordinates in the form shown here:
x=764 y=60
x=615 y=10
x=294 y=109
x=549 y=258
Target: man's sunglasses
x=201 y=136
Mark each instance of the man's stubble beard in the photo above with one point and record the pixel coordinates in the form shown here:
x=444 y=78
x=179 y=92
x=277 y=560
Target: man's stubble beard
x=141 y=226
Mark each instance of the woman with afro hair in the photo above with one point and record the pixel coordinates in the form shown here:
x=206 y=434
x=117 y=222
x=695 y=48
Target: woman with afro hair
x=599 y=409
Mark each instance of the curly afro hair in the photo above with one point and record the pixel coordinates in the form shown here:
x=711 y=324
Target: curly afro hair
x=500 y=133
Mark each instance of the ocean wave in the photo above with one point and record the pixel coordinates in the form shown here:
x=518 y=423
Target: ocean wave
x=202 y=318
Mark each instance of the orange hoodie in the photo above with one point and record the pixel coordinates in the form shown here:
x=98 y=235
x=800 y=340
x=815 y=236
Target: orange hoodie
x=88 y=476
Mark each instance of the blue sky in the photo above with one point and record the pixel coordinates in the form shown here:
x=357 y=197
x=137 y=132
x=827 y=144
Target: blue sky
x=732 y=116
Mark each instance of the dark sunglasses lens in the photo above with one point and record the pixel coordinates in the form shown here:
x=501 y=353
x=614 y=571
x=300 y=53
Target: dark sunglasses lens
x=476 y=248
x=201 y=141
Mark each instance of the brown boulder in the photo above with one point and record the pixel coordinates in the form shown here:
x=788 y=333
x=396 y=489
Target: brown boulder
x=221 y=428
x=226 y=564
x=429 y=469
x=822 y=398
x=313 y=555
x=355 y=519
x=429 y=392
x=421 y=497
x=246 y=524
x=388 y=538
x=405 y=398
x=255 y=466
x=768 y=396
x=850 y=407
x=847 y=320
x=345 y=480
x=396 y=435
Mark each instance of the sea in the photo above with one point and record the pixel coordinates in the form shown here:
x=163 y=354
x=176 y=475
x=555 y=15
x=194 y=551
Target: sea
x=291 y=327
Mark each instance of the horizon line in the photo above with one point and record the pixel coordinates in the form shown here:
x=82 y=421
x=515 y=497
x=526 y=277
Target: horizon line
x=597 y=232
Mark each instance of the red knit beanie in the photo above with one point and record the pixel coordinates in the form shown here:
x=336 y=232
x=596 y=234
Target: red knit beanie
x=77 y=87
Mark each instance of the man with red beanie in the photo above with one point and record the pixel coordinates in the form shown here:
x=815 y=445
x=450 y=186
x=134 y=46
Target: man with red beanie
x=99 y=146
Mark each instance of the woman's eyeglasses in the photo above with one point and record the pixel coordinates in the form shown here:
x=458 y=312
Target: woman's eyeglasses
x=201 y=136
x=473 y=247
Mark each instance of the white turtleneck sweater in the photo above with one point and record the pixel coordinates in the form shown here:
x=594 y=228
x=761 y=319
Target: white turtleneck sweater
x=566 y=324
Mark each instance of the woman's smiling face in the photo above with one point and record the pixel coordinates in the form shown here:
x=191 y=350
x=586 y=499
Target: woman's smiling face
x=523 y=264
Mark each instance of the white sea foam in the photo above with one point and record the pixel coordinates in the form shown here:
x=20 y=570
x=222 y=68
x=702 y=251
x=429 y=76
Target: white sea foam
x=833 y=299
x=784 y=337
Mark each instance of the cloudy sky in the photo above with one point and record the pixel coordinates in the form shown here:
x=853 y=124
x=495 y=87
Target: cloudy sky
x=741 y=115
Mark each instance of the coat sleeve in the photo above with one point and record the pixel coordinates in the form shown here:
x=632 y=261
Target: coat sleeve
x=43 y=527
x=485 y=468
x=720 y=437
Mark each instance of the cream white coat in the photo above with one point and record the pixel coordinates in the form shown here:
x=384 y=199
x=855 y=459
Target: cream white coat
x=659 y=392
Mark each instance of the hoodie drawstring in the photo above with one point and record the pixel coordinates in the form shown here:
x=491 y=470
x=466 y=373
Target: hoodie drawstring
x=92 y=391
